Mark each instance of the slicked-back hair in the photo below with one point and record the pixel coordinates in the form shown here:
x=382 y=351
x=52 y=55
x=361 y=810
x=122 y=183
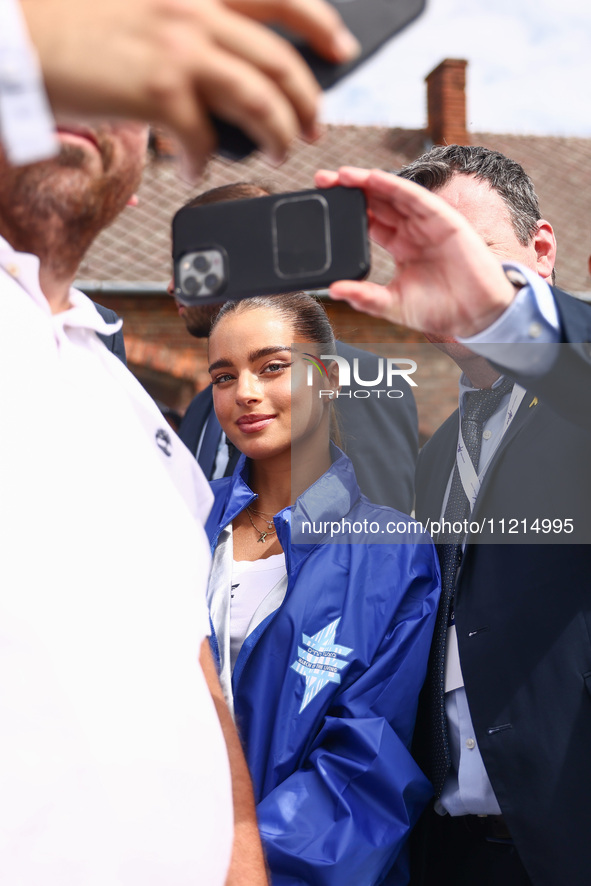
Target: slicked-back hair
x=234 y=191
x=306 y=315
x=507 y=177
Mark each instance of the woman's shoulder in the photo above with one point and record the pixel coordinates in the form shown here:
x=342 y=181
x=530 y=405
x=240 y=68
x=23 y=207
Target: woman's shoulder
x=390 y=537
x=382 y=512
x=377 y=551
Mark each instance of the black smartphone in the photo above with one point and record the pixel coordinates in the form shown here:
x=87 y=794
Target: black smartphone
x=373 y=22
x=268 y=245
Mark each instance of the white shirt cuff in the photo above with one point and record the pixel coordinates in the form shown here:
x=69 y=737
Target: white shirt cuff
x=26 y=121
x=531 y=319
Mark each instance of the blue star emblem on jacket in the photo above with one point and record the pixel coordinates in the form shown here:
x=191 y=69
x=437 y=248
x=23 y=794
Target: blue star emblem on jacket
x=318 y=661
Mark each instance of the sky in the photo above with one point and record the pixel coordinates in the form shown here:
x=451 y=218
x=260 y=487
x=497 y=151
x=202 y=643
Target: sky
x=529 y=68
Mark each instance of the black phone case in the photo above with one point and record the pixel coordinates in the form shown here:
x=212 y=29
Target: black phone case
x=373 y=22
x=243 y=231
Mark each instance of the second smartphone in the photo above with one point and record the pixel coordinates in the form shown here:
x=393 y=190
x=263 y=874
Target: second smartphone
x=268 y=245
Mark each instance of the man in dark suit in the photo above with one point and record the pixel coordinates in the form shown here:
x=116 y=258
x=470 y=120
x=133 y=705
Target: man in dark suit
x=379 y=435
x=505 y=722
x=114 y=342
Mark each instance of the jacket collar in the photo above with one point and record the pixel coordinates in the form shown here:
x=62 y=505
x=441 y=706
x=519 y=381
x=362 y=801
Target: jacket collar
x=330 y=498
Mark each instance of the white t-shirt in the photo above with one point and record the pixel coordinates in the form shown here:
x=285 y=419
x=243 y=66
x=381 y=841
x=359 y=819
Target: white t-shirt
x=113 y=769
x=251 y=582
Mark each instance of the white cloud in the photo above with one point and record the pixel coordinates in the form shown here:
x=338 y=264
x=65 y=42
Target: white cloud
x=529 y=68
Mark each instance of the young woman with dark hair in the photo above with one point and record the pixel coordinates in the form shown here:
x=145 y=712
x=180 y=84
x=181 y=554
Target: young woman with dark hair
x=323 y=608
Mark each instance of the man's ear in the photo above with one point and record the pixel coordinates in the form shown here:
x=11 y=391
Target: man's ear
x=545 y=246
x=590 y=265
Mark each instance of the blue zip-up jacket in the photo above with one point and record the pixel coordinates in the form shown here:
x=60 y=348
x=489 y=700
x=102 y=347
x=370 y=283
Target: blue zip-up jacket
x=325 y=687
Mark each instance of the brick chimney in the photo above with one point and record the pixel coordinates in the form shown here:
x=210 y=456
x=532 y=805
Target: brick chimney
x=446 y=103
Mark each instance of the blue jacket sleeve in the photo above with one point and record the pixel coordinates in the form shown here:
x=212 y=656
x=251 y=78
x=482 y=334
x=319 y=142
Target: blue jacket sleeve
x=343 y=817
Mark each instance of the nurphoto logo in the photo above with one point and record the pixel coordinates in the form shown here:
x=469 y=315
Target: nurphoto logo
x=389 y=373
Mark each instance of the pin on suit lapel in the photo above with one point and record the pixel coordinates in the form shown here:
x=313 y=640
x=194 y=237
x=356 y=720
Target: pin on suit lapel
x=523 y=417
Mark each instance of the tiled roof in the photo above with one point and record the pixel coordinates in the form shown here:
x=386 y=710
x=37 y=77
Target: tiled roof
x=136 y=248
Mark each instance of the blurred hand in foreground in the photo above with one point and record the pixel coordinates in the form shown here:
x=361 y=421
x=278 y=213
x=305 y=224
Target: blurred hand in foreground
x=175 y=61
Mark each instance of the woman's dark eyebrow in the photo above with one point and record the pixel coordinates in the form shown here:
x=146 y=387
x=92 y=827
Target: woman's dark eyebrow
x=223 y=363
x=219 y=364
x=266 y=352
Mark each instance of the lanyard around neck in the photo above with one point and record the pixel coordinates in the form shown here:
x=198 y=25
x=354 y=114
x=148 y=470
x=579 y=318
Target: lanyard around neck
x=471 y=481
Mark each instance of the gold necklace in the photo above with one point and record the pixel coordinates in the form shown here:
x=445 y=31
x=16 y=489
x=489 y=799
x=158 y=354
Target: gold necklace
x=262 y=534
x=264 y=515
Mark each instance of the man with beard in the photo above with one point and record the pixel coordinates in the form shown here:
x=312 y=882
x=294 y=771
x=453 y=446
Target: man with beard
x=115 y=342
x=114 y=767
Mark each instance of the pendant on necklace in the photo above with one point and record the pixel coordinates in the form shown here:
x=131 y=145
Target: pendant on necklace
x=263 y=536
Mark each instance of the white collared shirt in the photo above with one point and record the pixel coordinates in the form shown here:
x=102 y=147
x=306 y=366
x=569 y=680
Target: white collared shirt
x=113 y=769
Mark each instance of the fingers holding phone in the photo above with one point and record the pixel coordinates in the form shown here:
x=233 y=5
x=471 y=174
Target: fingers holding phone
x=318 y=23
x=447 y=281
x=262 y=86
x=176 y=61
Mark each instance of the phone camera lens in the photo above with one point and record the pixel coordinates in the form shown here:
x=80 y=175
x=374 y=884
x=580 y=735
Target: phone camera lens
x=201 y=264
x=191 y=285
x=212 y=281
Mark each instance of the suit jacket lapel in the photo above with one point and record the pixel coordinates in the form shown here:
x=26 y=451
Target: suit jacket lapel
x=435 y=467
x=523 y=416
x=195 y=418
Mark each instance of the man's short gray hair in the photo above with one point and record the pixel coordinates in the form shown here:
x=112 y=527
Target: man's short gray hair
x=435 y=168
